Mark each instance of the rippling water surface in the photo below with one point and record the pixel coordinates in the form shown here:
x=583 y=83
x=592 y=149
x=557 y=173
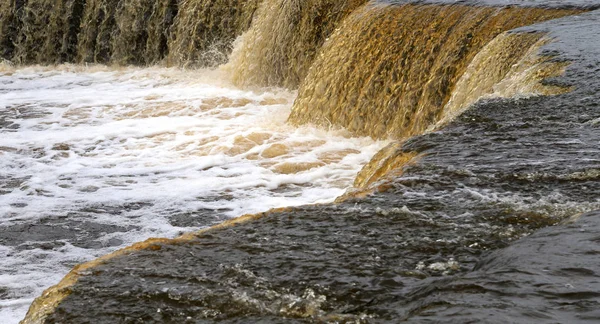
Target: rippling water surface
x=93 y=159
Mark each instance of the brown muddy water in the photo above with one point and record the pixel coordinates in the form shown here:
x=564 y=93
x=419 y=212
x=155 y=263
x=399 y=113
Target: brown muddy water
x=478 y=203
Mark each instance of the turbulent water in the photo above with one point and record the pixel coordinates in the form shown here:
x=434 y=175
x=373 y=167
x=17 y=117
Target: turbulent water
x=479 y=203
x=417 y=54
x=94 y=159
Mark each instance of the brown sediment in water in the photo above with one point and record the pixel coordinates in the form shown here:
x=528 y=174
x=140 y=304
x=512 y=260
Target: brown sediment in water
x=243 y=144
x=204 y=31
x=416 y=55
x=296 y=167
x=224 y=102
x=274 y=150
x=284 y=39
x=336 y=156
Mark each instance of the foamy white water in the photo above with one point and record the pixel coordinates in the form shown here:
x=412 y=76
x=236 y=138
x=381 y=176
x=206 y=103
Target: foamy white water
x=94 y=159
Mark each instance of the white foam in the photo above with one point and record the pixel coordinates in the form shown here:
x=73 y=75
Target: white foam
x=168 y=140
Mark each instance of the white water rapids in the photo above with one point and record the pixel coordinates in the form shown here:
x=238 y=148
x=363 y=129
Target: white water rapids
x=132 y=150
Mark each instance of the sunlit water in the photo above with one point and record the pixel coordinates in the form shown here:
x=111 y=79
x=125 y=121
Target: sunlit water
x=118 y=156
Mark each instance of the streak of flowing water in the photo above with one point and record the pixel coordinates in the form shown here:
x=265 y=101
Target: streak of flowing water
x=94 y=159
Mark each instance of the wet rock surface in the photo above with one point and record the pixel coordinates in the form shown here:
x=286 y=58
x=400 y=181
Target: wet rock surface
x=474 y=232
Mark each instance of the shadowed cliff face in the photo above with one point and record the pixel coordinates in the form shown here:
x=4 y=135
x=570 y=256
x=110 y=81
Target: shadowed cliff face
x=141 y=30
x=98 y=23
x=9 y=26
x=122 y=32
x=47 y=31
x=204 y=30
x=159 y=30
x=125 y=31
x=416 y=54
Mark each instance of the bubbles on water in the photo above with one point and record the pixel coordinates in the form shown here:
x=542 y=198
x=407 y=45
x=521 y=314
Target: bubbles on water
x=97 y=158
x=443 y=268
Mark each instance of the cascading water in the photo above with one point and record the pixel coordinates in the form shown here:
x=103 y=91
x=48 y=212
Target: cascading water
x=97 y=25
x=95 y=158
x=204 y=31
x=135 y=21
x=417 y=54
x=48 y=31
x=284 y=40
x=77 y=141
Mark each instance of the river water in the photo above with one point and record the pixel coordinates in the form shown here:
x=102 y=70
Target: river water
x=94 y=159
x=497 y=222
